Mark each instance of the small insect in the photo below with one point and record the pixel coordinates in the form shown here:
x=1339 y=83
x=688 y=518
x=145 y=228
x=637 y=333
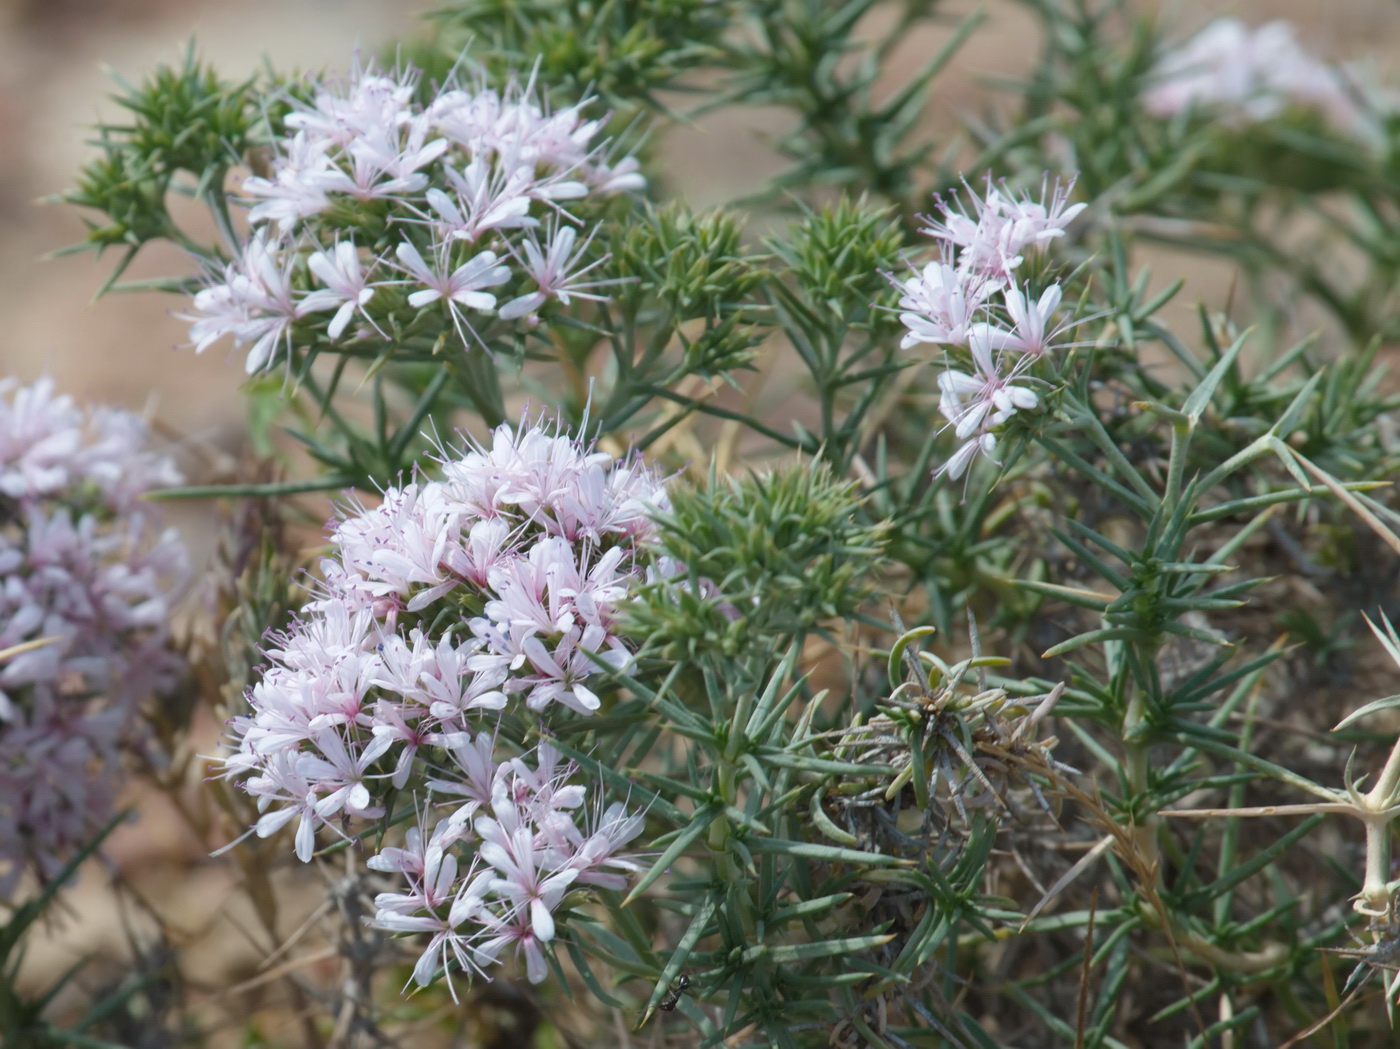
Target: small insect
x=674 y=993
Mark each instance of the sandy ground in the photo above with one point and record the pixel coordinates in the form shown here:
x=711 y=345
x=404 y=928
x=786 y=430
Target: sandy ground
x=126 y=350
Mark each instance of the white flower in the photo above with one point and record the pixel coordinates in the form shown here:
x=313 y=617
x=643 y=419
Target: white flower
x=461 y=286
x=487 y=198
x=347 y=286
x=515 y=131
x=984 y=443
x=1246 y=75
x=975 y=404
x=384 y=163
x=295 y=192
x=986 y=398
x=475 y=166
x=941 y=304
x=623 y=177
x=255 y=302
x=552 y=268
x=381 y=688
x=521 y=874
x=366 y=105
x=994 y=242
x=1033 y=331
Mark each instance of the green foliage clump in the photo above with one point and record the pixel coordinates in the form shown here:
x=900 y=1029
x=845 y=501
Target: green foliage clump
x=767 y=558
x=626 y=51
x=695 y=264
x=184 y=120
x=839 y=256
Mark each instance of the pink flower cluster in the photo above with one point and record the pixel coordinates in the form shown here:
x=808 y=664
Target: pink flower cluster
x=970 y=302
x=529 y=853
x=472 y=189
x=1241 y=76
x=493 y=589
x=84 y=567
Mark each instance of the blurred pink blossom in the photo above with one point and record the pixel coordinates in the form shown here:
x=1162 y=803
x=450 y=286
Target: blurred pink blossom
x=85 y=566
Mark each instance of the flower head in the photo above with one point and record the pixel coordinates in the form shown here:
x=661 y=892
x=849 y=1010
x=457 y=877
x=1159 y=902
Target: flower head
x=941 y=304
x=990 y=350
x=385 y=687
x=448 y=193
x=347 y=287
x=976 y=402
x=556 y=271
x=1245 y=75
x=993 y=240
x=85 y=567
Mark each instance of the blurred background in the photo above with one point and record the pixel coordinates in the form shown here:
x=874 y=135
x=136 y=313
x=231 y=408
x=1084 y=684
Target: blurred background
x=57 y=60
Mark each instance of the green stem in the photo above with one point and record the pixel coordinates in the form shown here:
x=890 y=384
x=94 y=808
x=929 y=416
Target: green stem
x=1176 y=464
x=475 y=372
x=1094 y=430
x=1145 y=832
x=1377 y=896
x=1383 y=793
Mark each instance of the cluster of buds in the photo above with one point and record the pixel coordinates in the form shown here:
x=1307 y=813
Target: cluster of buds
x=452 y=602
x=993 y=328
x=378 y=211
x=1243 y=76
x=87 y=581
